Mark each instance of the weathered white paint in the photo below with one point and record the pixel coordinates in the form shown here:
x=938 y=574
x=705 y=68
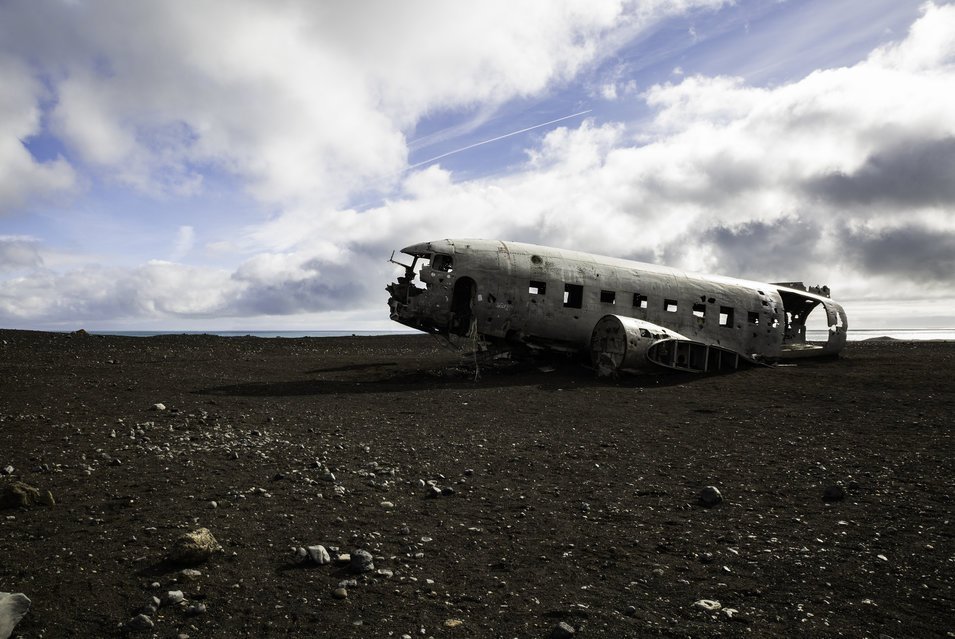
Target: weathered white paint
x=510 y=291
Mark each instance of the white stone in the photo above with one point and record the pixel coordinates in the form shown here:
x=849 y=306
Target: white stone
x=13 y=606
x=708 y=604
x=319 y=555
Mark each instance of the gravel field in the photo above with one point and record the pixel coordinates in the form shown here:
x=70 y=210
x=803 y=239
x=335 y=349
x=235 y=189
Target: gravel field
x=536 y=501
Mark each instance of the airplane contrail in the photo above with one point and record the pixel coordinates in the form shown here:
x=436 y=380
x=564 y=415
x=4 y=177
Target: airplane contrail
x=500 y=137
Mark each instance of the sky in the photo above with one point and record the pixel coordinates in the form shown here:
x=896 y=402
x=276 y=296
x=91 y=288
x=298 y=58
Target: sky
x=247 y=165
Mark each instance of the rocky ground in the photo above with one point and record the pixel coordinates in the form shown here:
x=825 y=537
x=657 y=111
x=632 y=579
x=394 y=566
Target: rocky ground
x=529 y=503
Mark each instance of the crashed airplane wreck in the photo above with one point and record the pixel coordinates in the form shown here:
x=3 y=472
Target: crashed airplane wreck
x=629 y=316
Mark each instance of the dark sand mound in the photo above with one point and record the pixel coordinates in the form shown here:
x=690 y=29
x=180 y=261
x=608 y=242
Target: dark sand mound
x=560 y=498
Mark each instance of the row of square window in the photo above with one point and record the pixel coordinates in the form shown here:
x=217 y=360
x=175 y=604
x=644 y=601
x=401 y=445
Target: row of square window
x=574 y=298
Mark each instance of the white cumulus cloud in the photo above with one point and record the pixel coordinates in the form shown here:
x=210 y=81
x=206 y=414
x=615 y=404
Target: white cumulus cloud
x=843 y=176
x=21 y=176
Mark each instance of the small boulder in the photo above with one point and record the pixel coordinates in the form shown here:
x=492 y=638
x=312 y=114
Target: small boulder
x=18 y=494
x=299 y=555
x=710 y=496
x=13 y=607
x=563 y=630
x=708 y=605
x=834 y=492
x=194 y=547
x=140 y=623
x=361 y=561
x=318 y=555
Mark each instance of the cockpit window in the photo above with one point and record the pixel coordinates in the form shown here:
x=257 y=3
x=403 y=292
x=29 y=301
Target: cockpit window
x=442 y=262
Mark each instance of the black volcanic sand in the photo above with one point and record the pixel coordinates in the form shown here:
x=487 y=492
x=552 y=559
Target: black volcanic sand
x=574 y=499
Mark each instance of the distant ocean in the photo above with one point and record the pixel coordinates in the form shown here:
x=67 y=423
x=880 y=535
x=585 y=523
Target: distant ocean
x=904 y=334
x=287 y=334
x=855 y=335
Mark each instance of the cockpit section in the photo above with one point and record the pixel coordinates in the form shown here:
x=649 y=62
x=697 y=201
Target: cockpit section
x=421 y=296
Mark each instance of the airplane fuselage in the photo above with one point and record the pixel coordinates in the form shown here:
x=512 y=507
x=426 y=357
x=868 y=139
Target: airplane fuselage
x=515 y=292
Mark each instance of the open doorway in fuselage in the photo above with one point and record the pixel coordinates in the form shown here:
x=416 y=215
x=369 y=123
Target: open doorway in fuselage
x=462 y=306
